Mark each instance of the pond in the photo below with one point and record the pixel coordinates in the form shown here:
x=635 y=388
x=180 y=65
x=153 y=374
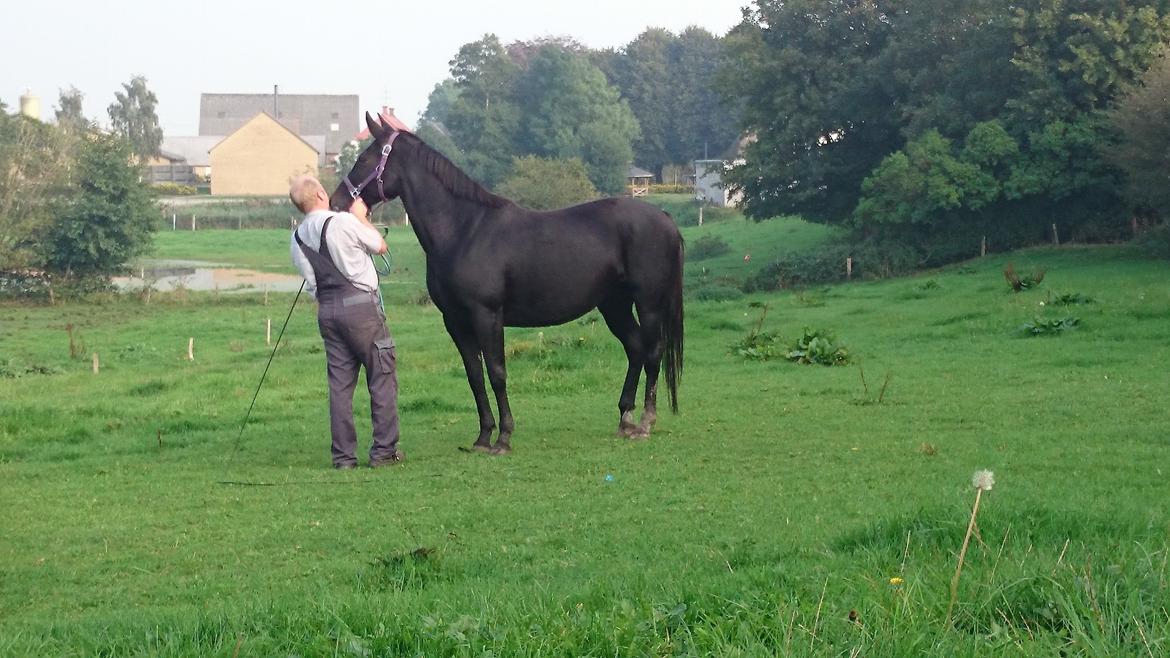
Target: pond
x=167 y=275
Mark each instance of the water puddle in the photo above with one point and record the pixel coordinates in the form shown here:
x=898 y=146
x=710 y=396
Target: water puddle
x=165 y=276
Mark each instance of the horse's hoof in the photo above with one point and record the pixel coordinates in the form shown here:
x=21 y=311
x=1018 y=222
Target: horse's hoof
x=501 y=450
x=485 y=448
x=638 y=434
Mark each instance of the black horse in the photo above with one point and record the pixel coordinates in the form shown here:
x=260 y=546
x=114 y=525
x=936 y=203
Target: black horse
x=492 y=263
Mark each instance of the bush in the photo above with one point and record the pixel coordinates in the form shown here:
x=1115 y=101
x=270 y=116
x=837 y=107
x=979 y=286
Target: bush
x=1042 y=327
x=871 y=260
x=817 y=346
x=758 y=346
x=716 y=293
x=1155 y=241
x=707 y=246
x=672 y=188
x=548 y=183
x=168 y=188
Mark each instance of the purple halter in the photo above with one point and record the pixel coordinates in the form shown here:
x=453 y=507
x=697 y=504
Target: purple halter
x=356 y=190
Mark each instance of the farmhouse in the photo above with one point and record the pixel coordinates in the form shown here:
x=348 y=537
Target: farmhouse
x=333 y=115
x=259 y=158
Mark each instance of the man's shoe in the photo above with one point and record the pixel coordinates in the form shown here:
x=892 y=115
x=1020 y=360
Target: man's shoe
x=392 y=460
x=345 y=467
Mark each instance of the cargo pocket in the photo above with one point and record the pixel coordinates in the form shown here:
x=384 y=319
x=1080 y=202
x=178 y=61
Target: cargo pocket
x=385 y=354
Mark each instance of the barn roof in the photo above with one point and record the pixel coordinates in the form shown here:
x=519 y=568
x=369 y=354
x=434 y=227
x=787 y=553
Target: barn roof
x=303 y=114
x=638 y=172
x=194 y=150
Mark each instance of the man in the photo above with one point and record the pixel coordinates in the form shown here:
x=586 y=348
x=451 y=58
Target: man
x=332 y=251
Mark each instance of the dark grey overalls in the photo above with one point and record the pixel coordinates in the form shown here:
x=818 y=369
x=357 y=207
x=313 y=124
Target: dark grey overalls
x=353 y=326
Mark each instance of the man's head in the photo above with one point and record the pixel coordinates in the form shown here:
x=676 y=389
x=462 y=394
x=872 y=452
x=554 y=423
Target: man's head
x=307 y=194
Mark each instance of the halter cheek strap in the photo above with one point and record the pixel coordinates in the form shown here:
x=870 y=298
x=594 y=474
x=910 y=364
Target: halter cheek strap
x=376 y=175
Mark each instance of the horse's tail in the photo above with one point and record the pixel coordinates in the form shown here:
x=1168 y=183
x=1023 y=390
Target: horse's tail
x=672 y=331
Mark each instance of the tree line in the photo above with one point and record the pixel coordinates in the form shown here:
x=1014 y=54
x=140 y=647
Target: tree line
x=73 y=203
x=930 y=124
x=520 y=111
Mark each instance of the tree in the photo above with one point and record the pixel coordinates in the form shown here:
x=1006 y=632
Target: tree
x=34 y=163
x=132 y=115
x=702 y=123
x=547 y=183
x=1141 y=120
x=482 y=120
x=642 y=73
x=571 y=111
x=108 y=217
x=70 y=117
x=858 y=109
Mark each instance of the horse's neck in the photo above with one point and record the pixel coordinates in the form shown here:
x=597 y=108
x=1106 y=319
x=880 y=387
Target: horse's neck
x=439 y=218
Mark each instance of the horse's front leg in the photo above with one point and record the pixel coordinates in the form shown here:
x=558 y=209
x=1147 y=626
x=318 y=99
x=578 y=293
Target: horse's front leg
x=468 y=345
x=489 y=329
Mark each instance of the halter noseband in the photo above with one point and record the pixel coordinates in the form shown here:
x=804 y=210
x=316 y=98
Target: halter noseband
x=356 y=190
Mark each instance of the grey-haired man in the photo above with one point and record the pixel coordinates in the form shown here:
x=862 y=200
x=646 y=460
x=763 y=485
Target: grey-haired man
x=332 y=251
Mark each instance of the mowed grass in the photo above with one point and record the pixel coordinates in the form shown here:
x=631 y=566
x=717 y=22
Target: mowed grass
x=768 y=518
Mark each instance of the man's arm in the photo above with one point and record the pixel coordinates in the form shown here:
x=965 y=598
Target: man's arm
x=362 y=212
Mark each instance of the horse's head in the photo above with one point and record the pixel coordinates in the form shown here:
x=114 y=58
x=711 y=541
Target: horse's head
x=374 y=176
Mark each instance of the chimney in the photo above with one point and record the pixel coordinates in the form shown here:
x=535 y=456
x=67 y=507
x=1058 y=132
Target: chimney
x=275 y=106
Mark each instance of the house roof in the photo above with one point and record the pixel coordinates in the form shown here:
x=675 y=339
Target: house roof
x=385 y=116
x=269 y=117
x=303 y=114
x=638 y=172
x=194 y=150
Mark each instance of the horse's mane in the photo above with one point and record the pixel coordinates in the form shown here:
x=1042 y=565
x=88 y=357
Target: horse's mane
x=453 y=178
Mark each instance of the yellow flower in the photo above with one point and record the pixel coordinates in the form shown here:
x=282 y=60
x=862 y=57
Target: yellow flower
x=895 y=581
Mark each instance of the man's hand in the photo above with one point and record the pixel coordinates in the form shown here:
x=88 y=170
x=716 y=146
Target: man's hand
x=360 y=210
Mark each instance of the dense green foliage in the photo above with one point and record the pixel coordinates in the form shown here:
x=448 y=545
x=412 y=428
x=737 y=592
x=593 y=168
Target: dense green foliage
x=547 y=183
x=72 y=204
x=652 y=102
x=133 y=116
x=787 y=510
x=34 y=161
x=109 y=215
x=937 y=124
x=1142 y=121
x=669 y=82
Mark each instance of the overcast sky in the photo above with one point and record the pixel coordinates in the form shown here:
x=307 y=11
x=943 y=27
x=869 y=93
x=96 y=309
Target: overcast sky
x=386 y=52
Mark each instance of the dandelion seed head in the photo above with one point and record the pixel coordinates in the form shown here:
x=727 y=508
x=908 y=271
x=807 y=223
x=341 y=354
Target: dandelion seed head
x=984 y=480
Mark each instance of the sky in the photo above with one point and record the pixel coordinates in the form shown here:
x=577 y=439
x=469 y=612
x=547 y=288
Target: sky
x=389 y=53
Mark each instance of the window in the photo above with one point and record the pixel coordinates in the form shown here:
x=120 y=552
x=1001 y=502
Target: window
x=220 y=115
x=334 y=127
x=335 y=116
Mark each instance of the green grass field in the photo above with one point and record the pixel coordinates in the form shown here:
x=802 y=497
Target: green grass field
x=768 y=518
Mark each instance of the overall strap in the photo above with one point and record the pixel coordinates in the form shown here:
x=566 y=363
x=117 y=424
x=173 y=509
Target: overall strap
x=329 y=277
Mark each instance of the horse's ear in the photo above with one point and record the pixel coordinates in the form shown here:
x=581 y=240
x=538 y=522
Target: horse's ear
x=374 y=126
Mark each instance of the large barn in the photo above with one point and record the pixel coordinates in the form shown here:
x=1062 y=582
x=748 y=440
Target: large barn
x=259 y=158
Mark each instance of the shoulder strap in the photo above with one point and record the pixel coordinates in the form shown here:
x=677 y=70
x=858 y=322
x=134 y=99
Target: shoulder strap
x=324 y=227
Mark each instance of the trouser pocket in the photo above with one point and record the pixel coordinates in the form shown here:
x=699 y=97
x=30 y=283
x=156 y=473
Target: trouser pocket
x=386 y=354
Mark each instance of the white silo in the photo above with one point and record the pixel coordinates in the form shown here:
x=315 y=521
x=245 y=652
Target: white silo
x=30 y=106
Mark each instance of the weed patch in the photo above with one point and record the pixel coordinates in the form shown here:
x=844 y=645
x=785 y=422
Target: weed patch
x=1048 y=327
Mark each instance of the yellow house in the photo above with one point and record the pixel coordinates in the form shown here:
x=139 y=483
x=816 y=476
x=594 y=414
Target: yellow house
x=259 y=159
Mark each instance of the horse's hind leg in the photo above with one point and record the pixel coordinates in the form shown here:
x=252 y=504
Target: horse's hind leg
x=489 y=328
x=652 y=339
x=619 y=317
x=468 y=346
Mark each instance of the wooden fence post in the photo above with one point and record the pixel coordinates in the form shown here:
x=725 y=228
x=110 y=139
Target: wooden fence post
x=268 y=331
x=96 y=365
x=983 y=247
x=849 y=267
x=190 y=349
